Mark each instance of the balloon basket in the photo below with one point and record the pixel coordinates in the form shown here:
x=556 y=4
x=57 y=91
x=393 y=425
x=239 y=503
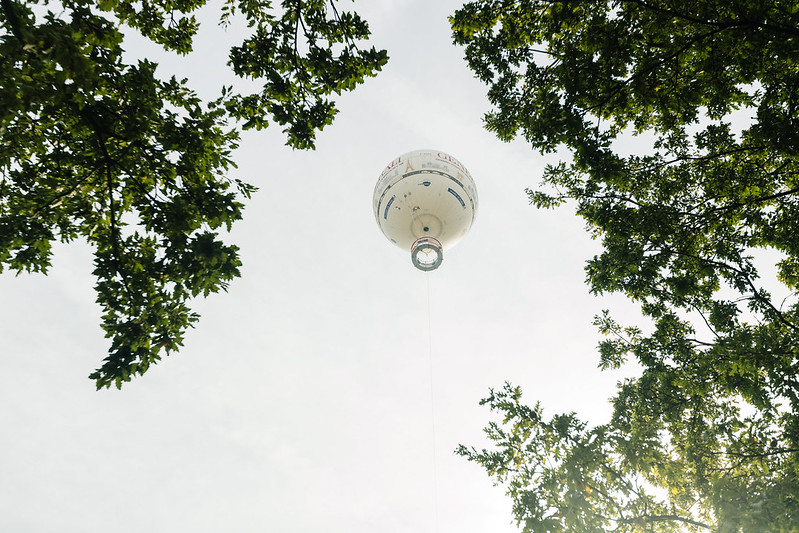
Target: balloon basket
x=427 y=254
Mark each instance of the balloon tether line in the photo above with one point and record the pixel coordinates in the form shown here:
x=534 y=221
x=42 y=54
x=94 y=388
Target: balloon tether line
x=432 y=404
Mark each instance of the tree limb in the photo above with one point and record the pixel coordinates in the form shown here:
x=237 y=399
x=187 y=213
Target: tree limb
x=721 y=25
x=647 y=519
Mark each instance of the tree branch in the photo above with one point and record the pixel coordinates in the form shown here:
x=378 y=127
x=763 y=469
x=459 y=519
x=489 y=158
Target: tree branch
x=115 y=235
x=648 y=519
x=721 y=25
x=756 y=455
x=755 y=294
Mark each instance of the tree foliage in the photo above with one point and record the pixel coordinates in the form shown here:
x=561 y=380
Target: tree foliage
x=681 y=118
x=95 y=148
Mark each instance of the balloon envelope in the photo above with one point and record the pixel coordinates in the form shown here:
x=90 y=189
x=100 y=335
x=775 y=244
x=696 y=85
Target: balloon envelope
x=425 y=201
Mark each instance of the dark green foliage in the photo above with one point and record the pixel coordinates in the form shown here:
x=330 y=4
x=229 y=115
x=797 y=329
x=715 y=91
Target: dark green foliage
x=93 y=148
x=295 y=84
x=712 y=90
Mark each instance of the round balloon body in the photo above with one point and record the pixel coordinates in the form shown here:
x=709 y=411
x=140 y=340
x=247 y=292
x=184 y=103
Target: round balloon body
x=425 y=201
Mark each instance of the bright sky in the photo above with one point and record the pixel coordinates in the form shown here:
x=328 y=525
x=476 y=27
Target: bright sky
x=302 y=401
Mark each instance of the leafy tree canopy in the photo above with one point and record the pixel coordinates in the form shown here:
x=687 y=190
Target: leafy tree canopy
x=707 y=438
x=136 y=164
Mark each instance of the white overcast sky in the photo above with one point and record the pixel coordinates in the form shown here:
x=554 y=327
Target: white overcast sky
x=302 y=400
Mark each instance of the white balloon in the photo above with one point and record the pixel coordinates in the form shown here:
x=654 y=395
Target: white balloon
x=425 y=201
